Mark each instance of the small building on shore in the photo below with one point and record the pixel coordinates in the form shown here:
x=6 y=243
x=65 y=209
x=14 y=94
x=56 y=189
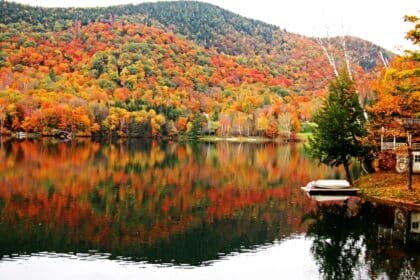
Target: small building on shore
x=400 y=146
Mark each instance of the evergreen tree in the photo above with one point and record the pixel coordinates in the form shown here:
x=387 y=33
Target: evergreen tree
x=197 y=125
x=340 y=126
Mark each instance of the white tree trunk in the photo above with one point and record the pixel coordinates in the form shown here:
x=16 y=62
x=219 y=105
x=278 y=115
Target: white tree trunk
x=328 y=53
x=384 y=60
x=346 y=57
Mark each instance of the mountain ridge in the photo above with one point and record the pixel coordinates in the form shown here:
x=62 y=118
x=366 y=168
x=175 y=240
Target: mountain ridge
x=219 y=28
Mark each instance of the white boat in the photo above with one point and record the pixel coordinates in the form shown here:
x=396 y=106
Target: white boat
x=330 y=187
x=328 y=184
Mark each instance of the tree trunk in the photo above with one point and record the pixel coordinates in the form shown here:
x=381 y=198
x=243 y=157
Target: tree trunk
x=410 y=169
x=348 y=175
x=367 y=163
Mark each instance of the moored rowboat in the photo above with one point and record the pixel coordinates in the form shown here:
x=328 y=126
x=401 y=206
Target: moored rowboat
x=330 y=187
x=328 y=184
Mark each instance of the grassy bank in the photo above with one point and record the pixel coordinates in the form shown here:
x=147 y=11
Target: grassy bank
x=304 y=136
x=390 y=187
x=301 y=137
x=235 y=139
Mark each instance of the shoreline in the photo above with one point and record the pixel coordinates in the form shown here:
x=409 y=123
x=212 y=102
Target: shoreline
x=203 y=138
x=390 y=202
x=390 y=188
x=238 y=139
x=300 y=137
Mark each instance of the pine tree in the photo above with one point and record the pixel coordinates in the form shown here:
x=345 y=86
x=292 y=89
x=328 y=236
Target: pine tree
x=340 y=126
x=197 y=125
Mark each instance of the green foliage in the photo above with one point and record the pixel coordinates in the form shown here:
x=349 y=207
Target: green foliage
x=197 y=125
x=99 y=62
x=308 y=127
x=5 y=37
x=413 y=34
x=18 y=68
x=280 y=91
x=107 y=84
x=3 y=59
x=52 y=75
x=340 y=125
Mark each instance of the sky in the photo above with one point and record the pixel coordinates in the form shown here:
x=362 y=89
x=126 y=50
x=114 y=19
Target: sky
x=378 y=21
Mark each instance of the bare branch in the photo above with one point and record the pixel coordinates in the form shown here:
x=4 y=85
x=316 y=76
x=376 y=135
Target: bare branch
x=384 y=60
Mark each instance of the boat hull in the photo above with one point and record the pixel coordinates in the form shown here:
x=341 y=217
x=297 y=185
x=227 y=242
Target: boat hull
x=329 y=184
x=341 y=191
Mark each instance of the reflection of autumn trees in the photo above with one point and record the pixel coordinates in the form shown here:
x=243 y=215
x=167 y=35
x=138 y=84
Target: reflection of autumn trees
x=112 y=196
x=347 y=243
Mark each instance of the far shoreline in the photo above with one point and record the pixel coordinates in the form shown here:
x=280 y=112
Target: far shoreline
x=300 y=137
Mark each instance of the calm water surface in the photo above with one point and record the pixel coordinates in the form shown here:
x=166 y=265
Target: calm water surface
x=163 y=210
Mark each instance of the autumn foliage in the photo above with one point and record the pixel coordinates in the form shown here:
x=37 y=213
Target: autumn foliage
x=132 y=77
x=116 y=195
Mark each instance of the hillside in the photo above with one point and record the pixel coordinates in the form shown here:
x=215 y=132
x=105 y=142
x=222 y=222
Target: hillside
x=153 y=69
x=205 y=24
x=128 y=79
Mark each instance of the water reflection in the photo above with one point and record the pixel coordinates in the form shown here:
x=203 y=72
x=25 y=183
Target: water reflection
x=178 y=204
x=355 y=241
x=162 y=202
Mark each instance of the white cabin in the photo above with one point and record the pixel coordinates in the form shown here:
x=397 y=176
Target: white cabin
x=402 y=163
x=416 y=162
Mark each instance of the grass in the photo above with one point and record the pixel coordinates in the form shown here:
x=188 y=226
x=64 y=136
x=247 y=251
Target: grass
x=390 y=187
x=304 y=136
x=234 y=139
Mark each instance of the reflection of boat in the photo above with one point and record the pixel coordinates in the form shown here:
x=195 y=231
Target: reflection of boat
x=20 y=135
x=325 y=198
x=62 y=135
x=330 y=187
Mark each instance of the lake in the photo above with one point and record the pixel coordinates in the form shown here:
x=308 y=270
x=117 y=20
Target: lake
x=164 y=210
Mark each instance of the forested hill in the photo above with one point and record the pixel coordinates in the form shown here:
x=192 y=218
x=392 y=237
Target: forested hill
x=206 y=24
x=169 y=68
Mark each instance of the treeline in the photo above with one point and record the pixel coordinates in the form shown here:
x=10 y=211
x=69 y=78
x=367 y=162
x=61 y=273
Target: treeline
x=201 y=21
x=132 y=80
x=205 y=24
x=104 y=71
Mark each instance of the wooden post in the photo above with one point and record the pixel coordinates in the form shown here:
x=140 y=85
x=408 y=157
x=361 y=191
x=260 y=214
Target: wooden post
x=410 y=170
x=410 y=163
x=382 y=138
x=395 y=142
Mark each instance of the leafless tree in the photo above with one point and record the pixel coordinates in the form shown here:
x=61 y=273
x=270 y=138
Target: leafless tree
x=384 y=60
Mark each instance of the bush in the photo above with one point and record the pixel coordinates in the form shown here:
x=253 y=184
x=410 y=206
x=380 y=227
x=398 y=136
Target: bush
x=307 y=127
x=387 y=161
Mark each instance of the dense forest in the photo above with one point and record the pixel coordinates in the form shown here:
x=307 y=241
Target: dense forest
x=163 y=69
x=205 y=24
